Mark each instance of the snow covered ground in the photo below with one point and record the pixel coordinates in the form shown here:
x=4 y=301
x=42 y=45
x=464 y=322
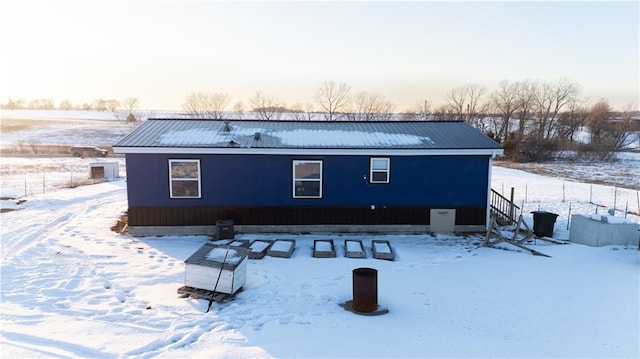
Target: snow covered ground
x=73 y=288
x=70 y=287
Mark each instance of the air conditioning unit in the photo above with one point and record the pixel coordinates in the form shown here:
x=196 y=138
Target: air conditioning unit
x=442 y=220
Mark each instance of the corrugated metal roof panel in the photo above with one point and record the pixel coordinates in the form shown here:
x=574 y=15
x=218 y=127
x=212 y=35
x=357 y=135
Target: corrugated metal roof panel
x=181 y=133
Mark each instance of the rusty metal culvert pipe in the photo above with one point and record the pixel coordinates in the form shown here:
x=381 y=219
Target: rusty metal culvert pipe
x=365 y=290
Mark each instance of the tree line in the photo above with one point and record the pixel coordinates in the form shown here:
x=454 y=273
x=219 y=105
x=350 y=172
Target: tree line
x=129 y=104
x=533 y=120
x=332 y=102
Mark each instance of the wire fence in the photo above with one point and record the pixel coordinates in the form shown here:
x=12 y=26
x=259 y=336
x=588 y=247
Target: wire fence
x=26 y=177
x=566 y=198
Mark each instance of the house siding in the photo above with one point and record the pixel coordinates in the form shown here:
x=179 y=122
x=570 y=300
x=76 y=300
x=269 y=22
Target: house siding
x=257 y=190
x=266 y=181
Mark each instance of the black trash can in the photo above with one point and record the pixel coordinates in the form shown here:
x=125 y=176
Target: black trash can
x=543 y=223
x=224 y=229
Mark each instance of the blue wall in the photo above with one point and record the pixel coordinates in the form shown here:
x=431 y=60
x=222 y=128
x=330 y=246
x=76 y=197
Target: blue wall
x=266 y=180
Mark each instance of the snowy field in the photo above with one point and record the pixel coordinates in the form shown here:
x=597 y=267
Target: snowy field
x=62 y=128
x=73 y=288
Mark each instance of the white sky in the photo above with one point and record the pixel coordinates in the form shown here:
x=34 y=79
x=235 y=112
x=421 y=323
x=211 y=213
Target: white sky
x=408 y=52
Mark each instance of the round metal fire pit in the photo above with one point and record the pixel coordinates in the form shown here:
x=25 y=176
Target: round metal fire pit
x=365 y=290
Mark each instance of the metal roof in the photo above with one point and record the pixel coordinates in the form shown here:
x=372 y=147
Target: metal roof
x=189 y=135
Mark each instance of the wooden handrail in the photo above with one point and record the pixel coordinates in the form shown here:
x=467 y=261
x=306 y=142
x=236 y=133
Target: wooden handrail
x=504 y=207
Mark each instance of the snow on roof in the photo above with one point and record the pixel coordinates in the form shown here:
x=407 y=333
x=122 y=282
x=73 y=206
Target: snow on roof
x=214 y=255
x=290 y=138
x=177 y=133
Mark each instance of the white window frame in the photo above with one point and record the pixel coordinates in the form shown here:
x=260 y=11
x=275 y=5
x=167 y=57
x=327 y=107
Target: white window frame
x=171 y=179
x=293 y=170
x=387 y=170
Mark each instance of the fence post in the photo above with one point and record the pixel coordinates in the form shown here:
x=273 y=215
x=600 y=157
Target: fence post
x=511 y=207
x=626 y=209
x=569 y=220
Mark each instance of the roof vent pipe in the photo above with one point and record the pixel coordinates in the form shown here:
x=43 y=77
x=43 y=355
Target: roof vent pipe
x=256 y=136
x=227 y=127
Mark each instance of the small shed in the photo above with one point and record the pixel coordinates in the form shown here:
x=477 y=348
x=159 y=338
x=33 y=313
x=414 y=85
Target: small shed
x=104 y=171
x=218 y=268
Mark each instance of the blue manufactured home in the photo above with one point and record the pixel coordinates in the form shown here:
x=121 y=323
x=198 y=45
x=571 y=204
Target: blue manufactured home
x=185 y=175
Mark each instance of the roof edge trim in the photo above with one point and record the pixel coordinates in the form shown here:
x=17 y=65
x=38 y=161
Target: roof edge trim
x=308 y=151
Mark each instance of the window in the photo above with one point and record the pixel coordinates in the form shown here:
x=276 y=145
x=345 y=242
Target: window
x=307 y=179
x=379 y=170
x=184 y=178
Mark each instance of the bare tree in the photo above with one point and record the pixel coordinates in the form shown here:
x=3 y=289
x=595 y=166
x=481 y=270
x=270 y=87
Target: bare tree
x=65 y=105
x=41 y=104
x=527 y=91
x=112 y=105
x=14 y=104
x=572 y=120
x=332 y=98
x=131 y=104
x=366 y=106
x=466 y=103
x=504 y=103
x=238 y=110
x=551 y=99
x=609 y=133
x=206 y=105
x=102 y=104
x=540 y=105
x=598 y=119
x=266 y=107
x=443 y=113
x=620 y=129
x=302 y=112
x=456 y=102
x=630 y=128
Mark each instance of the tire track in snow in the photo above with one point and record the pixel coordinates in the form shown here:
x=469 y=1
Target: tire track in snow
x=48 y=217
x=178 y=337
x=44 y=268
